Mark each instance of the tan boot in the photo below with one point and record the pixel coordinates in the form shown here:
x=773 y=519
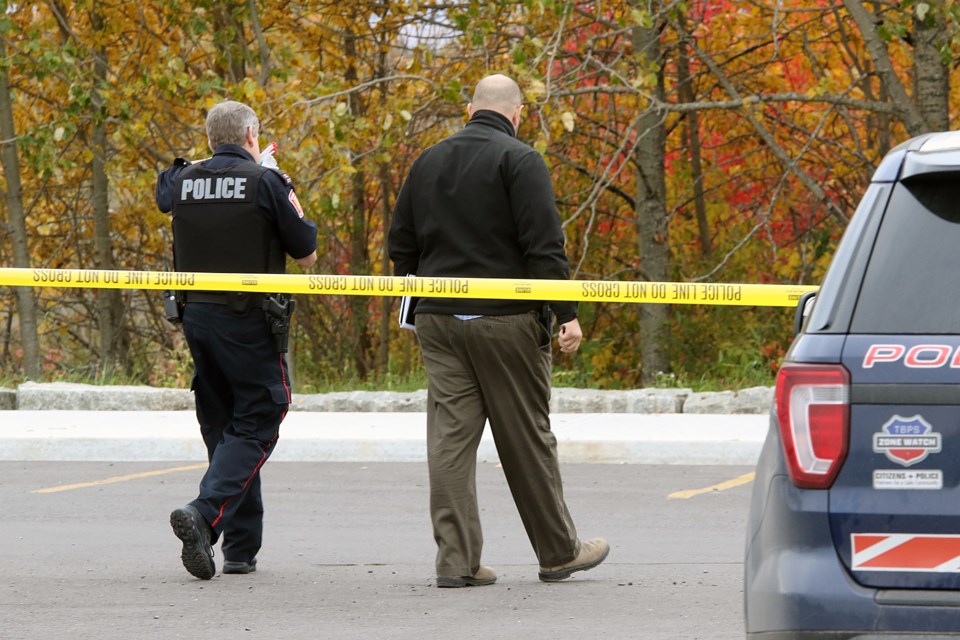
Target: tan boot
x=483 y=577
x=592 y=553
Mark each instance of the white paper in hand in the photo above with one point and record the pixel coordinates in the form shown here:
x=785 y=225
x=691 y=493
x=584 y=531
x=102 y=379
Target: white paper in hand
x=408 y=305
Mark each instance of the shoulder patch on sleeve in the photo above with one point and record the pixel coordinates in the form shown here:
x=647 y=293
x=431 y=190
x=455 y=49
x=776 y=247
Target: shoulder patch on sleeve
x=295 y=202
x=286 y=178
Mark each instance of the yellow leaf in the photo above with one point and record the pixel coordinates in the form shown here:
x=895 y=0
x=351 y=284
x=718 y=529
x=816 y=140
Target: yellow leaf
x=536 y=89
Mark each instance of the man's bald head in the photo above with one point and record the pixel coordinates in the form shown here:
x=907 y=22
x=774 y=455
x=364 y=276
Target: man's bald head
x=498 y=93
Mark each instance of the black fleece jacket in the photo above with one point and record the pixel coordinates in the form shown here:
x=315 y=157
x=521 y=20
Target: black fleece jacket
x=480 y=204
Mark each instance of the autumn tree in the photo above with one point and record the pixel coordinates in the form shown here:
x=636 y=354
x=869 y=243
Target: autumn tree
x=15 y=226
x=694 y=141
x=785 y=99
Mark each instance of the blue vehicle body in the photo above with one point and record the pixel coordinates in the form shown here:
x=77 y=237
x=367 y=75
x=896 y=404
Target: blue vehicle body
x=866 y=545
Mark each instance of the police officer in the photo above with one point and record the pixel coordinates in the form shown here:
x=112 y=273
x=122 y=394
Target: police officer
x=231 y=215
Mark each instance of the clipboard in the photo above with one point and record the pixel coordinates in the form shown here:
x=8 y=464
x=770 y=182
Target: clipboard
x=408 y=306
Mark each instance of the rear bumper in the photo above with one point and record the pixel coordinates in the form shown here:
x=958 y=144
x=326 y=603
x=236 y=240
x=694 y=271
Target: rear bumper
x=797 y=588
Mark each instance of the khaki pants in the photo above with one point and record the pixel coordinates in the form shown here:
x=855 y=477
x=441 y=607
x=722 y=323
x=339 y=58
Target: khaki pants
x=494 y=368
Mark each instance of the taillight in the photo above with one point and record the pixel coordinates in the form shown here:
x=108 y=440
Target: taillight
x=814 y=410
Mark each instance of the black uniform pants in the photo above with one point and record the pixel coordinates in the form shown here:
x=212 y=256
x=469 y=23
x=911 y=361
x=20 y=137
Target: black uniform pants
x=242 y=392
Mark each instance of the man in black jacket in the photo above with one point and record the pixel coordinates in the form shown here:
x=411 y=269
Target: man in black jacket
x=481 y=204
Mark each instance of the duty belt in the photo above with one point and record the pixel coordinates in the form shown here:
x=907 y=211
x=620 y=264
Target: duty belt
x=213 y=297
x=222 y=297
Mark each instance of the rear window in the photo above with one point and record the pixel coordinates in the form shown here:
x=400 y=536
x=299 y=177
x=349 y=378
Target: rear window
x=912 y=283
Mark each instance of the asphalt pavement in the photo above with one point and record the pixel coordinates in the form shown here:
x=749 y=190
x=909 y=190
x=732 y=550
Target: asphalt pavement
x=348 y=553
x=88 y=553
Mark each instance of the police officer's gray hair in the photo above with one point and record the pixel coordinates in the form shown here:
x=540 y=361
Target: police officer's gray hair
x=228 y=121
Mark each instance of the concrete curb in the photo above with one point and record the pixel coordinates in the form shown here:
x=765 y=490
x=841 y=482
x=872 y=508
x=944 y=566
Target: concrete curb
x=70 y=396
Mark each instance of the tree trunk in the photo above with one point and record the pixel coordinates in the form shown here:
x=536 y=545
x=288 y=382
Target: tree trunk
x=692 y=135
x=651 y=207
x=359 y=262
x=261 y=43
x=110 y=302
x=26 y=301
x=386 y=302
x=931 y=76
x=386 y=213
x=360 y=265
x=229 y=39
x=877 y=48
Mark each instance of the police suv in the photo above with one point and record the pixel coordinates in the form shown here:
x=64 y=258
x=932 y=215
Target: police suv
x=854 y=525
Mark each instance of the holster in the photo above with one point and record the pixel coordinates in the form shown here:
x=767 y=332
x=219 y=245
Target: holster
x=173 y=306
x=278 y=309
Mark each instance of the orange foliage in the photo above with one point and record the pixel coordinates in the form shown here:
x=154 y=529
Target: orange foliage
x=782 y=99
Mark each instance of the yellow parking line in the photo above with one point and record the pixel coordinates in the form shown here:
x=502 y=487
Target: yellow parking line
x=132 y=476
x=729 y=484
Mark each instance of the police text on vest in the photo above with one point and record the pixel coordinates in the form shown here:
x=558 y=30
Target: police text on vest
x=213 y=188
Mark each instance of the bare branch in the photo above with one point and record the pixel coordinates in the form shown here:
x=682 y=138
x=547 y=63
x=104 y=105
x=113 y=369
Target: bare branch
x=713 y=105
x=261 y=43
x=362 y=86
x=768 y=138
x=912 y=117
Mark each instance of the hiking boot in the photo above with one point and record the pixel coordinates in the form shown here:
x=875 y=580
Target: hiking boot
x=238 y=566
x=592 y=553
x=483 y=577
x=193 y=531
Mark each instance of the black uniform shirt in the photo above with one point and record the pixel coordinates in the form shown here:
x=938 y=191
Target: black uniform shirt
x=275 y=196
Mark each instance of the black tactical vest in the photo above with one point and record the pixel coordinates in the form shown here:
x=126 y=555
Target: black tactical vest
x=218 y=225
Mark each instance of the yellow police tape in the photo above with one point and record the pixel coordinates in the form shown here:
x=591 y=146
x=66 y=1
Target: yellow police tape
x=769 y=295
